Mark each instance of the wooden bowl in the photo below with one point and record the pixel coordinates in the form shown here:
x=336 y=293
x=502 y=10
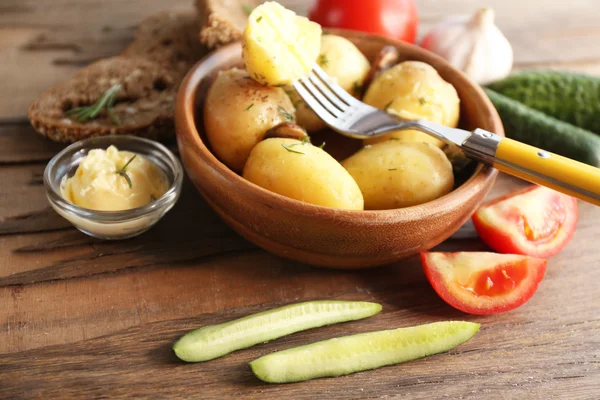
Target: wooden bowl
x=319 y=235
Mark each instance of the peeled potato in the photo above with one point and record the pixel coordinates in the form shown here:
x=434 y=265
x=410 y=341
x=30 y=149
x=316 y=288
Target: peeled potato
x=342 y=61
x=304 y=172
x=305 y=117
x=414 y=90
x=396 y=174
x=238 y=112
x=279 y=47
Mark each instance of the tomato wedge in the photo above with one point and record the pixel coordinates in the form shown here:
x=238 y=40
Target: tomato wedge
x=483 y=283
x=535 y=221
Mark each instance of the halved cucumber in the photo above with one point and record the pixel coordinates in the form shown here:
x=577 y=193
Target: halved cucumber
x=214 y=341
x=348 y=354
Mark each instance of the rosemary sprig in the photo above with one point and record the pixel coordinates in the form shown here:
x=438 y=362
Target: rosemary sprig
x=388 y=105
x=121 y=171
x=106 y=101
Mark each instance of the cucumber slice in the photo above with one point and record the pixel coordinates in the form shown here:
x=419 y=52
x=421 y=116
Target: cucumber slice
x=214 y=341
x=349 y=354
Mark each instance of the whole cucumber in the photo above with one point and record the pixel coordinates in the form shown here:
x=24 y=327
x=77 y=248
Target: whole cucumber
x=540 y=130
x=569 y=97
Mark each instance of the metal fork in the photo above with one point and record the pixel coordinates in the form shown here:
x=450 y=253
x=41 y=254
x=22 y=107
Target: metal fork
x=351 y=117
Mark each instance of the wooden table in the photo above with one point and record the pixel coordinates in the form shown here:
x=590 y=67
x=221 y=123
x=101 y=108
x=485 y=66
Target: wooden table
x=82 y=318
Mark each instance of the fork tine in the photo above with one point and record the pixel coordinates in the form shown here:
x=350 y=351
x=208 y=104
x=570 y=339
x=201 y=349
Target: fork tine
x=314 y=104
x=325 y=103
x=327 y=92
x=334 y=87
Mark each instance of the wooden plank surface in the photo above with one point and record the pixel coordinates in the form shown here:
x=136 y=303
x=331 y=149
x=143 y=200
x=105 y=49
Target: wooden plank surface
x=82 y=318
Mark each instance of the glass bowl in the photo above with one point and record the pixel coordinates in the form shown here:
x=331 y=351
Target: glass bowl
x=113 y=225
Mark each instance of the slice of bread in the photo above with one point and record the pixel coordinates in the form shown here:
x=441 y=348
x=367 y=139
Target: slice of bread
x=144 y=105
x=169 y=38
x=223 y=21
x=150 y=70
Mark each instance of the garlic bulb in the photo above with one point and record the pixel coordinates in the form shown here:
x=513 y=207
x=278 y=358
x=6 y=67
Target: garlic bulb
x=474 y=45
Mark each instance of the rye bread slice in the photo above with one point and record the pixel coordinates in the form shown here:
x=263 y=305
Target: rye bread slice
x=144 y=105
x=165 y=47
x=169 y=38
x=223 y=21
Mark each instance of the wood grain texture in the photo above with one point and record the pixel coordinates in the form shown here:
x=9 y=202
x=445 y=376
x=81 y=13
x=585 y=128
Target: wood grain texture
x=62 y=252
x=119 y=365
x=80 y=318
x=19 y=143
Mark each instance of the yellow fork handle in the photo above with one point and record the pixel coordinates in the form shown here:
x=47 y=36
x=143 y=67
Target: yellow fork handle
x=548 y=169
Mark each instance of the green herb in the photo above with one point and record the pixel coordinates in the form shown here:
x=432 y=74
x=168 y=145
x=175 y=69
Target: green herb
x=422 y=101
x=323 y=60
x=357 y=87
x=106 y=101
x=289 y=148
x=259 y=78
x=285 y=115
x=305 y=140
x=121 y=171
x=249 y=107
x=322 y=145
x=392 y=169
x=388 y=105
x=247 y=8
x=259 y=19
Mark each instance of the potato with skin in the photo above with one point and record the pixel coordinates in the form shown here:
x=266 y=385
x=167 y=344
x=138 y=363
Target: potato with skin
x=304 y=172
x=238 y=112
x=278 y=46
x=396 y=174
x=414 y=90
x=341 y=60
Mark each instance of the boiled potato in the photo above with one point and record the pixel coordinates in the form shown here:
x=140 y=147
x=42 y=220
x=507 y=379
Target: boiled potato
x=414 y=90
x=279 y=47
x=342 y=61
x=237 y=113
x=304 y=172
x=395 y=174
x=305 y=116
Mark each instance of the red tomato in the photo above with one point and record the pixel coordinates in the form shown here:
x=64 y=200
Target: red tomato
x=483 y=283
x=395 y=19
x=535 y=221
